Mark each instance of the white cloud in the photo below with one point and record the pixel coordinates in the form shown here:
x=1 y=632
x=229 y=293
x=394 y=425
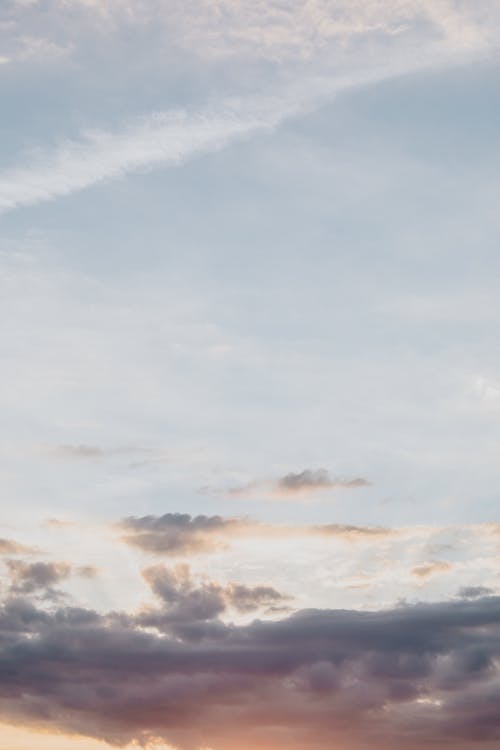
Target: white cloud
x=159 y=139
x=349 y=41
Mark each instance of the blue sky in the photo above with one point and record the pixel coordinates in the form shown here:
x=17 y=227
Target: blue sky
x=241 y=242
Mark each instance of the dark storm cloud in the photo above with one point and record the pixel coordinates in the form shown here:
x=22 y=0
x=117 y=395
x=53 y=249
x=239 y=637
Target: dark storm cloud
x=425 y=675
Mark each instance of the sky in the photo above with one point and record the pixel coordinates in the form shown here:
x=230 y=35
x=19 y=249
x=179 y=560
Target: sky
x=249 y=376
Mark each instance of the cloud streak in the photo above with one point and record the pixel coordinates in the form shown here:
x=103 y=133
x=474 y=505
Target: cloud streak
x=160 y=139
x=318 y=31
x=179 y=534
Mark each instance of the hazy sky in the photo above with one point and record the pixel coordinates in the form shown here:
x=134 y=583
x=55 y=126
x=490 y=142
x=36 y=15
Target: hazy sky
x=250 y=374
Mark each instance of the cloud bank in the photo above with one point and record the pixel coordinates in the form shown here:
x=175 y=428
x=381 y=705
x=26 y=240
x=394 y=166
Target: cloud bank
x=410 y=677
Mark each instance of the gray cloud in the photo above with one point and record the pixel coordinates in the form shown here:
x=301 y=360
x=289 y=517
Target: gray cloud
x=249 y=598
x=27 y=578
x=179 y=533
x=30 y=577
x=475 y=592
x=299 y=483
x=310 y=480
x=414 y=676
x=186 y=602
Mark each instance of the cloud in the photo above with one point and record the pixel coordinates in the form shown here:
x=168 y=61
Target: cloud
x=435 y=567
x=296 y=484
x=10 y=547
x=187 y=602
x=339 y=45
x=31 y=577
x=249 y=598
x=180 y=533
x=475 y=592
x=176 y=534
x=159 y=139
x=413 y=676
x=311 y=480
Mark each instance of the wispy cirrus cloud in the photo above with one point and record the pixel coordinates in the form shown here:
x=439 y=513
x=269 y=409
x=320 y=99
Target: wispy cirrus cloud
x=346 y=42
x=159 y=139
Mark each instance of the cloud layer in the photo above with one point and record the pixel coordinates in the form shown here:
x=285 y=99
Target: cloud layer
x=410 y=676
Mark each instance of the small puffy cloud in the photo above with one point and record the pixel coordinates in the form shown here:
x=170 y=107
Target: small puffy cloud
x=299 y=484
x=34 y=577
x=249 y=598
x=27 y=578
x=311 y=480
x=183 y=601
x=187 y=602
